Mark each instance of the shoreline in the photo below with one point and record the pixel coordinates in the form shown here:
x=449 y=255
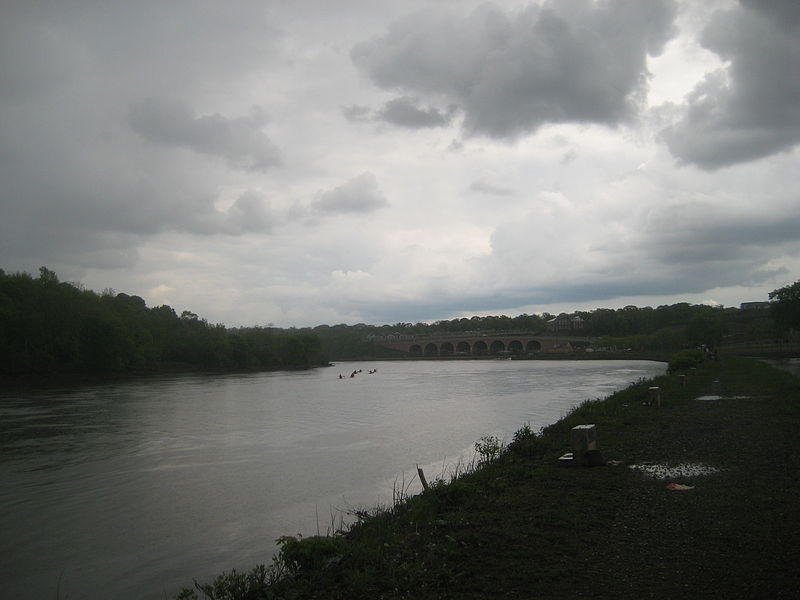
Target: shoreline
x=521 y=525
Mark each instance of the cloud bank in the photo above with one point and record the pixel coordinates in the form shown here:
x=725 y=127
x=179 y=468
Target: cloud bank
x=308 y=162
x=510 y=72
x=748 y=109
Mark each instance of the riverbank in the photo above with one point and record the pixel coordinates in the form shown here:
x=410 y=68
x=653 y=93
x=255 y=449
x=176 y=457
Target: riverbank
x=523 y=526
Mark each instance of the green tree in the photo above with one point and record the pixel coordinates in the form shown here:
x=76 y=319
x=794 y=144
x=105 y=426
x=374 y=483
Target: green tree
x=785 y=307
x=707 y=327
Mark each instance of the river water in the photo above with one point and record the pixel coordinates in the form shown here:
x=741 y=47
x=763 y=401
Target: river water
x=132 y=490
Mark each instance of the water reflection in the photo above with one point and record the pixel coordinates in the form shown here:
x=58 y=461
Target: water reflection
x=791 y=365
x=132 y=490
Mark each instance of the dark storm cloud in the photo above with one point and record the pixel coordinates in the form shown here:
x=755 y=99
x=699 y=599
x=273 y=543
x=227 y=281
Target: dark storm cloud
x=698 y=247
x=356 y=112
x=177 y=44
x=402 y=112
x=405 y=112
x=681 y=246
x=566 y=61
x=249 y=213
x=56 y=246
x=785 y=13
x=749 y=109
x=76 y=186
x=359 y=195
x=240 y=141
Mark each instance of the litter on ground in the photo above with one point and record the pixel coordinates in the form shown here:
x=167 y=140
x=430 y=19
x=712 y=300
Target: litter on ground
x=679 y=486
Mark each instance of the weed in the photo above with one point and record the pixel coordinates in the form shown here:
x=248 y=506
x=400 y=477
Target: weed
x=685 y=360
x=251 y=585
x=488 y=448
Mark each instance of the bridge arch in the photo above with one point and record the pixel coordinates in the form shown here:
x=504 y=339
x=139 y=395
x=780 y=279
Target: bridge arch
x=497 y=347
x=431 y=349
x=480 y=348
x=446 y=349
x=515 y=347
x=533 y=346
x=415 y=350
x=463 y=348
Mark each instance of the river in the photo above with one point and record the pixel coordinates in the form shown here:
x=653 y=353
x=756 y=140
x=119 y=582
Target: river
x=132 y=490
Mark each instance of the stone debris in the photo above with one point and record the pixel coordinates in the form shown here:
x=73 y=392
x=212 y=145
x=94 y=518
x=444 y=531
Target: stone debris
x=675 y=472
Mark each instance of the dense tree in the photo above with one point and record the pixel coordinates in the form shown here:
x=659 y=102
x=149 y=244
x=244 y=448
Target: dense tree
x=706 y=328
x=50 y=327
x=785 y=307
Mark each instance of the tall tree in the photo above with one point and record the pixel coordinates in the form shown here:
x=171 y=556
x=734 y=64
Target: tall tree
x=785 y=307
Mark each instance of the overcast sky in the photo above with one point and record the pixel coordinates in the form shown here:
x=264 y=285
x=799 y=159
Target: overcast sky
x=376 y=161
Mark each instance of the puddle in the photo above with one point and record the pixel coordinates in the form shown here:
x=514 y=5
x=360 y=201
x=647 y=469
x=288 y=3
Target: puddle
x=673 y=472
x=708 y=398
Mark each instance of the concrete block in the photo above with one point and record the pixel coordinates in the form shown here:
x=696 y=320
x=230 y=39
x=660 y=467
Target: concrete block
x=583 y=439
x=654 y=396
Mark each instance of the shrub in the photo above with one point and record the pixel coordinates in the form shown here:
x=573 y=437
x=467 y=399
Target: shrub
x=306 y=555
x=685 y=359
x=251 y=585
x=488 y=448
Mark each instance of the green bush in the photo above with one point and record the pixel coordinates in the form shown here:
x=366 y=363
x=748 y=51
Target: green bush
x=306 y=555
x=489 y=448
x=251 y=585
x=685 y=359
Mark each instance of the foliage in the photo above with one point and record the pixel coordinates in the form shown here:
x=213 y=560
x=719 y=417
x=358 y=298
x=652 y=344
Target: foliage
x=526 y=443
x=349 y=342
x=252 y=585
x=305 y=555
x=47 y=326
x=51 y=327
x=661 y=329
x=785 y=307
x=706 y=328
x=488 y=448
x=684 y=360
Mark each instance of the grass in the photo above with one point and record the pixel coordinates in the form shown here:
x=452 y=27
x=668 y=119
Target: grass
x=515 y=524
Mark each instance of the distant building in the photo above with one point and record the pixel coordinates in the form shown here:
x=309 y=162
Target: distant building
x=754 y=305
x=564 y=322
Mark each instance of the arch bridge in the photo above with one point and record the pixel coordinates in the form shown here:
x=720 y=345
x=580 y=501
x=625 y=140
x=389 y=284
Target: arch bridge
x=481 y=344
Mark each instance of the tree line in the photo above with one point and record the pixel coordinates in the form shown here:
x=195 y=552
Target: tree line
x=53 y=327
x=666 y=328
x=48 y=326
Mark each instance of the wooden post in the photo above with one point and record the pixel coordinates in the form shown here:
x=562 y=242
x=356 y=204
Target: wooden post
x=422 y=478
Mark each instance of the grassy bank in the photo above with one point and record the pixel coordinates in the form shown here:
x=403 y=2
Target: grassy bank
x=521 y=526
